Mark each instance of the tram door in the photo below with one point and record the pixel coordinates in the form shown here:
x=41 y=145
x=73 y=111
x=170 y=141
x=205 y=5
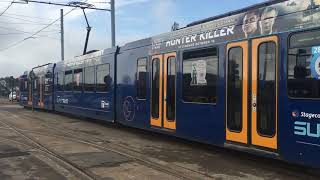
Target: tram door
x=30 y=91
x=41 y=91
x=163 y=91
x=252 y=93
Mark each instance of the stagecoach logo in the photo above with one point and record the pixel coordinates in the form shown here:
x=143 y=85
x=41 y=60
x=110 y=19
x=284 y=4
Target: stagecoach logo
x=315 y=62
x=310 y=115
x=129 y=108
x=295 y=114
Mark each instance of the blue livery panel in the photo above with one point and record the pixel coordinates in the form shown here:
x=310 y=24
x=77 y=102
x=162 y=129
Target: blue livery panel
x=86 y=86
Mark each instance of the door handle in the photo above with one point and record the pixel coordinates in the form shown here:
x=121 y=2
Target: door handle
x=254 y=103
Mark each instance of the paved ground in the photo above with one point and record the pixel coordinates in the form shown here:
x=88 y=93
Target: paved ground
x=41 y=145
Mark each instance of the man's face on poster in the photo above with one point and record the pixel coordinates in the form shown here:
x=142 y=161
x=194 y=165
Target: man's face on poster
x=267 y=21
x=250 y=24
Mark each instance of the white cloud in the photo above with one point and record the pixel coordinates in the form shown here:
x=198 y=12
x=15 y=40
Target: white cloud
x=41 y=49
x=165 y=12
x=118 y=5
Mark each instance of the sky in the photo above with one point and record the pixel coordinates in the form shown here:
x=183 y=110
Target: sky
x=135 y=19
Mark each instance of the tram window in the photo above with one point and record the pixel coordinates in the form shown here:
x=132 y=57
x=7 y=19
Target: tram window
x=35 y=83
x=59 y=81
x=305 y=39
x=68 y=81
x=141 y=81
x=155 y=89
x=200 y=75
x=48 y=82
x=23 y=85
x=171 y=89
x=301 y=82
x=89 y=84
x=266 y=125
x=77 y=80
x=103 y=78
x=235 y=63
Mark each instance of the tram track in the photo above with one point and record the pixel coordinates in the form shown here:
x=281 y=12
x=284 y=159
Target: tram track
x=77 y=135
x=39 y=147
x=119 y=148
x=173 y=170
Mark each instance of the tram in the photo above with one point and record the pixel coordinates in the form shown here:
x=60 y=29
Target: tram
x=247 y=80
x=24 y=89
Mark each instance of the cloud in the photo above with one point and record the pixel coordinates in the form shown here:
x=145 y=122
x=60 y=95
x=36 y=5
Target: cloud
x=45 y=47
x=164 y=12
x=118 y=5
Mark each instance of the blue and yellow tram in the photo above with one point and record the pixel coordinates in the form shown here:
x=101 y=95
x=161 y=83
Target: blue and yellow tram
x=38 y=87
x=246 y=80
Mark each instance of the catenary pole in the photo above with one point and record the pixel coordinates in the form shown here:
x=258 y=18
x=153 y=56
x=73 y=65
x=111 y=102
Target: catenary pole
x=62 y=35
x=113 y=23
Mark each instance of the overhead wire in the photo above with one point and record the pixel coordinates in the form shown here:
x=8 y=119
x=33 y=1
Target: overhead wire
x=24 y=23
x=14 y=29
x=2 y=1
x=22 y=19
x=33 y=17
x=32 y=36
x=6 y=8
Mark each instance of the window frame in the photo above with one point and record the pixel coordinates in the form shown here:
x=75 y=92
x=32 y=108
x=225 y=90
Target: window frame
x=35 y=83
x=64 y=80
x=57 y=81
x=287 y=63
x=227 y=66
x=146 y=86
x=175 y=85
x=151 y=88
x=218 y=75
x=96 y=77
x=81 y=87
x=25 y=84
x=276 y=83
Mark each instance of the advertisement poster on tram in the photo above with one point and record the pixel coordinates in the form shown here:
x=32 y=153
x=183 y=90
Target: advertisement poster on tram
x=277 y=18
x=198 y=73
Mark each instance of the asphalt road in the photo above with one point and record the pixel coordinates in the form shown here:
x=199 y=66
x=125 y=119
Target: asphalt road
x=42 y=145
